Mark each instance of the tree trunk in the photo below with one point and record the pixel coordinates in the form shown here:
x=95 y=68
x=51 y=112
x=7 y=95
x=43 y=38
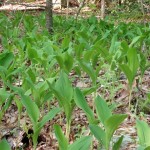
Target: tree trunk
x=49 y=16
x=70 y=3
x=102 y=9
x=1 y=2
x=64 y=3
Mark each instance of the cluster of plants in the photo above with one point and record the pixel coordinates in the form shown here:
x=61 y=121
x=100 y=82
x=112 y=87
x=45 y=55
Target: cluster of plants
x=37 y=68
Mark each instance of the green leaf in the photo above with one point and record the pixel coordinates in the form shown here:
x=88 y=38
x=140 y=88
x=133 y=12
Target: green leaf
x=62 y=101
x=87 y=91
x=4 y=145
x=83 y=143
x=102 y=109
x=6 y=59
x=3 y=95
x=32 y=75
x=117 y=145
x=133 y=61
x=87 y=67
x=88 y=54
x=135 y=40
x=62 y=140
x=112 y=124
x=129 y=74
x=113 y=44
x=60 y=61
x=66 y=42
x=77 y=70
x=32 y=53
x=49 y=116
x=63 y=87
x=31 y=107
x=99 y=133
x=68 y=61
x=143 y=131
x=124 y=46
x=147 y=148
x=8 y=102
x=81 y=103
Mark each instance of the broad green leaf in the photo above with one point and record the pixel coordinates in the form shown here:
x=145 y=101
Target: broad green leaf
x=49 y=116
x=133 y=61
x=147 y=148
x=10 y=73
x=81 y=103
x=111 y=125
x=124 y=46
x=3 y=69
x=100 y=46
x=32 y=53
x=60 y=61
x=141 y=148
x=117 y=145
x=79 y=50
x=143 y=131
x=77 y=70
x=68 y=61
x=3 y=95
x=63 y=87
x=99 y=133
x=4 y=145
x=135 y=40
x=62 y=140
x=87 y=67
x=66 y=42
x=8 y=102
x=129 y=74
x=31 y=74
x=88 y=54
x=113 y=44
x=62 y=102
x=102 y=109
x=95 y=60
x=83 y=143
x=6 y=59
x=31 y=107
x=87 y=91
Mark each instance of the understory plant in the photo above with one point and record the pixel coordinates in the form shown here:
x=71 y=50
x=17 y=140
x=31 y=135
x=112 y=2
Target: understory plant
x=143 y=131
x=4 y=145
x=36 y=68
x=34 y=114
x=108 y=122
x=63 y=91
x=83 y=143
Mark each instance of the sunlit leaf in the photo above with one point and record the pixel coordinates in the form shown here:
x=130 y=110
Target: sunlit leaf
x=117 y=145
x=31 y=107
x=62 y=140
x=83 y=143
x=82 y=103
x=143 y=131
x=102 y=109
x=4 y=145
x=111 y=125
x=99 y=133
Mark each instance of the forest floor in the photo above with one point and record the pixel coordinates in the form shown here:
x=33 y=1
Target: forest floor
x=12 y=128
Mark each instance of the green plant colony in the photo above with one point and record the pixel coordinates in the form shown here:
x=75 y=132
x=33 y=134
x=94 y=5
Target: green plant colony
x=37 y=68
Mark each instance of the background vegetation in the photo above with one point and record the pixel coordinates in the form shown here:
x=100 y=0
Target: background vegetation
x=77 y=81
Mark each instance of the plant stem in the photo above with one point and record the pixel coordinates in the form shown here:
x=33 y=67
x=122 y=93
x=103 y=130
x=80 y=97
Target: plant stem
x=94 y=97
x=68 y=129
x=130 y=94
